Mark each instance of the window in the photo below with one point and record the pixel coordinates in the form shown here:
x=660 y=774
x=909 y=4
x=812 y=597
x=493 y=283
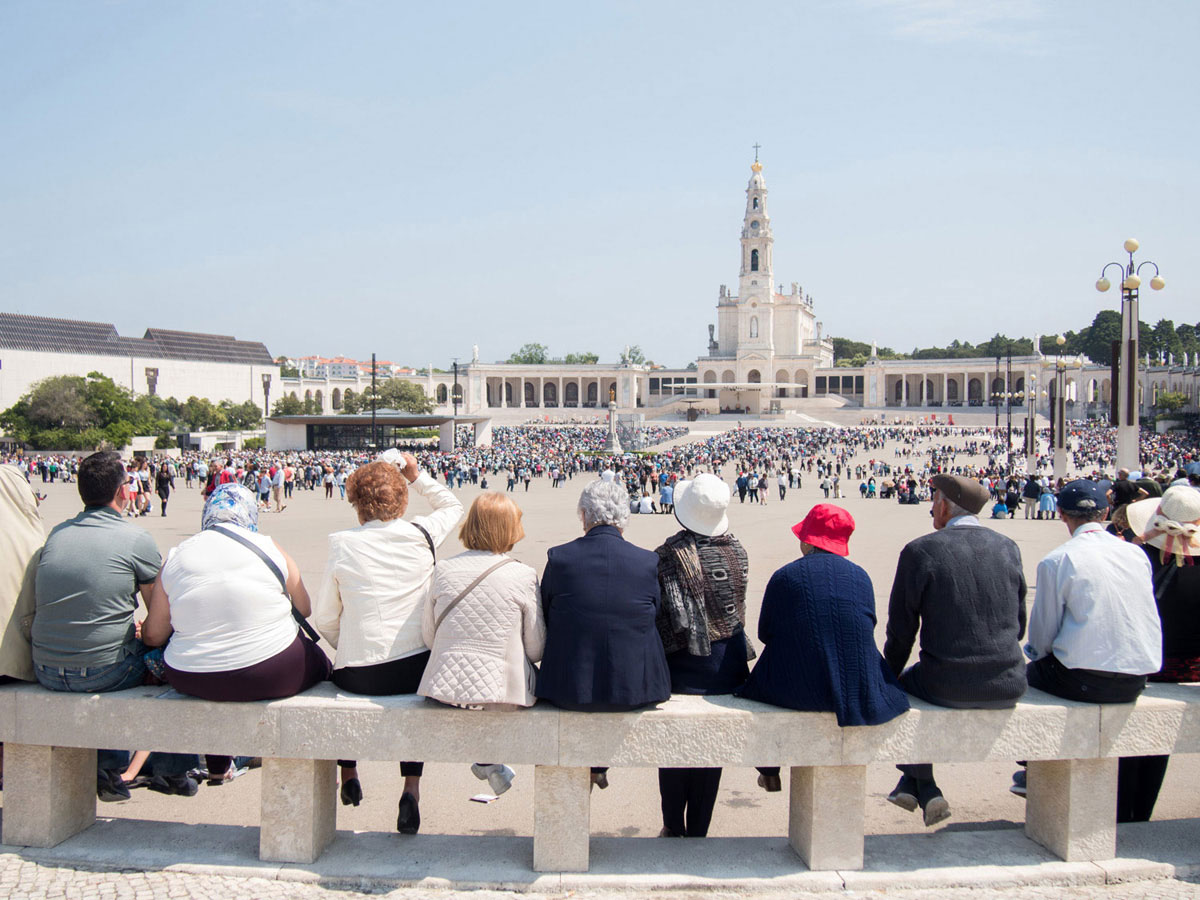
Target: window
x=753 y=260
x=756 y=203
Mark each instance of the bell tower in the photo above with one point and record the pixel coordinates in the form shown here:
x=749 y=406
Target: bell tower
x=756 y=284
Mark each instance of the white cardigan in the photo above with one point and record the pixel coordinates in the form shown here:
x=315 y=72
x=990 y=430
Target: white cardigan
x=377 y=579
x=485 y=648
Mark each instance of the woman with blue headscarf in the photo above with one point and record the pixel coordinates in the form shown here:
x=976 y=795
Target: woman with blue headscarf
x=224 y=598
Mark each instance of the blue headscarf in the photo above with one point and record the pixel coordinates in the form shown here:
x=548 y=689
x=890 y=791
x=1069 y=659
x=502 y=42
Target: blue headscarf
x=230 y=504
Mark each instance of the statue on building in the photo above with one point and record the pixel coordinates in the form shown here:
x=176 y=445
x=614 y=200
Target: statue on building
x=474 y=353
x=874 y=350
x=712 y=343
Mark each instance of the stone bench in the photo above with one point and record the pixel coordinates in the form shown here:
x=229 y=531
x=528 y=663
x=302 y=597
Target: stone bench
x=1072 y=749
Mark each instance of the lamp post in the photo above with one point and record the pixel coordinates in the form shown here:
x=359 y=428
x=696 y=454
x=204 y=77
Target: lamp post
x=996 y=397
x=266 y=381
x=1058 y=413
x=1008 y=399
x=1124 y=406
x=1031 y=423
x=454 y=398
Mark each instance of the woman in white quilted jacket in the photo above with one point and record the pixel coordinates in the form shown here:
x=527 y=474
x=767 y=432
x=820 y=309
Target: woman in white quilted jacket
x=483 y=622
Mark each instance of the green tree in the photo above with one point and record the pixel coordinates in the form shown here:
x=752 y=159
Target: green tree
x=396 y=393
x=633 y=355
x=287 y=405
x=1165 y=340
x=1171 y=401
x=530 y=354
x=1096 y=340
x=241 y=416
x=201 y=414
x=60 y=402
x=584 y=359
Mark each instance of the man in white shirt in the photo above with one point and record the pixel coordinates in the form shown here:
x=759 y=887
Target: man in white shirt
x=1094 y=632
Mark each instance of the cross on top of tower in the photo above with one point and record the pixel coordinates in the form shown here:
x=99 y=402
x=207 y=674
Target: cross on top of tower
x=756 y=166
x=757 y=147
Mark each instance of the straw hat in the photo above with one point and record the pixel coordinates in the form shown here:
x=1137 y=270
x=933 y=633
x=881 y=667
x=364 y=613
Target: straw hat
x=1170 y=523
x=701 y=504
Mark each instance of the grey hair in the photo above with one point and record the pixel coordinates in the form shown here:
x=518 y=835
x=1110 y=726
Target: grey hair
x=1086 y=515
x=604 y=503
x=953 y=510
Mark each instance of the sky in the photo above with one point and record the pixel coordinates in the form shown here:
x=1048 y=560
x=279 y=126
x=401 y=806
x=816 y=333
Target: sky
x=412 y=179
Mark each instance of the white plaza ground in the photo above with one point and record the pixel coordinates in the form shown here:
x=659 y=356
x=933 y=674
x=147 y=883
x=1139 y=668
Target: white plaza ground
x=978 y=794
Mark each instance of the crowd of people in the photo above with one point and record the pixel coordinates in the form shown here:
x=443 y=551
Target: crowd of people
x=608 y=626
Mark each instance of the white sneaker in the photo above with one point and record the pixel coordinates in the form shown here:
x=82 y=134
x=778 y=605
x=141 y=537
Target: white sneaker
x=498 y=776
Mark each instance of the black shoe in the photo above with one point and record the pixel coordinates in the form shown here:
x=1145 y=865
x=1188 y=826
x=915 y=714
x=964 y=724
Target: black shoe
x=110 y=787
x=770 y=783
x=351 y=792
x=934 y=807
x=904 y=794
x=409 y=819
x=600 y=780
x=173 y=784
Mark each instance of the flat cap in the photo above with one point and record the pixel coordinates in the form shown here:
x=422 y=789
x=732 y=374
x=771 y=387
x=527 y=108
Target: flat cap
x=965 y=492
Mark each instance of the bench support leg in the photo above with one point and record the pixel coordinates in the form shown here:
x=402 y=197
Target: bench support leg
x=825 y=815
x=562 y=810
x=49 y=793
x=298 y=815
x=1071 y=807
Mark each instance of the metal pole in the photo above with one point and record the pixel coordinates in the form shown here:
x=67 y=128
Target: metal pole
x=374 y=400
x=1128 y=454
x=454 y=402
x=996 y=397
x=1008 y=404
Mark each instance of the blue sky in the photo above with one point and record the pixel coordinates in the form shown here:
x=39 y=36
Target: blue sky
x=412 y=179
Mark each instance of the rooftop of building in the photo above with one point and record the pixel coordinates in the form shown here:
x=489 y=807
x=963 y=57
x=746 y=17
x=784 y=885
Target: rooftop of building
x=48 y=335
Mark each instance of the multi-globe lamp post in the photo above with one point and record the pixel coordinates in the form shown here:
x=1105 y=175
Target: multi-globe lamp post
x=1058 y=416
x=1124 y=413
x=1031 y=396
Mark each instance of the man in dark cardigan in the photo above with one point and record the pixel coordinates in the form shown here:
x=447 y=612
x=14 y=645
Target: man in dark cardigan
x=962 y=588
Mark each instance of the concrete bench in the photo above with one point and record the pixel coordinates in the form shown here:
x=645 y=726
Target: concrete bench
x=1072 y=749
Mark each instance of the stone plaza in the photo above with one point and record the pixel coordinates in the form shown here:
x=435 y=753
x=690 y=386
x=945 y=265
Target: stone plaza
x=217 y=826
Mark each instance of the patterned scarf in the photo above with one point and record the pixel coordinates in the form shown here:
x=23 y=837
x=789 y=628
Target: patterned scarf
x=703 y=583
x=230 y=504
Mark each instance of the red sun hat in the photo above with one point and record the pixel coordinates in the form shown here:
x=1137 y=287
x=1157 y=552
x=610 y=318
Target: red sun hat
x=828 y=527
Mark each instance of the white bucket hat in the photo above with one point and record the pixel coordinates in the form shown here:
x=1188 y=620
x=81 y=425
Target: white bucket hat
x=1170 y=522
x=700 y=505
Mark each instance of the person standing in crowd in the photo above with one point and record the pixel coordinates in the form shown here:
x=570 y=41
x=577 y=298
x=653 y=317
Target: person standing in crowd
x=600 y=598
x=817 y=626
x=963 y=590
x=277 y=483
x=91 y=572
x=702 y=572
x=377 y=581
x=483 y=623
x=164 y=481
x=21 y=539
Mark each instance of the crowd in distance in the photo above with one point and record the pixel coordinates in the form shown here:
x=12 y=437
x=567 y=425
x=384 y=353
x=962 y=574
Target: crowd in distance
x=609 y=626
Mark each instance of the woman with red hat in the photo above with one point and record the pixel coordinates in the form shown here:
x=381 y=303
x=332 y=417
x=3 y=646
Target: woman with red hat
x=817 y=626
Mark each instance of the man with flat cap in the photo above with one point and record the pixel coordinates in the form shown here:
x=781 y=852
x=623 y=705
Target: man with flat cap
x=963 y=590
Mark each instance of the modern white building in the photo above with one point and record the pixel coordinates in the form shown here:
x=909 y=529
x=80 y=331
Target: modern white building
x=178 y=364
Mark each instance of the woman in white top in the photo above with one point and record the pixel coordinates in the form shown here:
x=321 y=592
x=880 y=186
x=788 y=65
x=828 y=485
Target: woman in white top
x=375 y=586
x=228 y=618
x=483 y=622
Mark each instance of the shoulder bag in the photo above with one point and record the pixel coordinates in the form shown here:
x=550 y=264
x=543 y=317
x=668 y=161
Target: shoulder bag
x=470 y=587
x=258 y=551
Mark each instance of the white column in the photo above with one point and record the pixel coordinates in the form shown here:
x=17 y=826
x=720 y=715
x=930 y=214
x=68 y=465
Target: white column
x=825 y=815
x=581 y=398
x=521 y=392
x=541 y=397
x=446 y=436
x=945 y=391
x=965 y=385
x=49 y=793
x=503 y=396
x=904 y=390
x=1071 y=807
x=561 y=818
x=298 y=816
x=562 y=400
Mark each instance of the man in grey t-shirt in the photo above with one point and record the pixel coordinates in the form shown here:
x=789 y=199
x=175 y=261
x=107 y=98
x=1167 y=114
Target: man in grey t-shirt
x=91 y=571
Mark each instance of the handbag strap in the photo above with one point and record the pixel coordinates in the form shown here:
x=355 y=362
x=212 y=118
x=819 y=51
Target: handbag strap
x=470 y=587
x=428 y=539
x=275 y=570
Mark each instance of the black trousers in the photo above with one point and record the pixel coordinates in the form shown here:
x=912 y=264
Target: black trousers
x=398 y=676
x=688 y=798
x=912 y=680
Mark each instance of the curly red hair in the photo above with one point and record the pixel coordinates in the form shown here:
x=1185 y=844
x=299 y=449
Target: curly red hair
x=377 y=491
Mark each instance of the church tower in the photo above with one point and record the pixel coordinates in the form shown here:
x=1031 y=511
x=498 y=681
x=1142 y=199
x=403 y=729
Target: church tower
x=756 y=285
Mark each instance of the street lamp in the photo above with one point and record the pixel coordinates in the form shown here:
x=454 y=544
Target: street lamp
x=266 y=383
x=1031 y=423
x=454 y=398
x=1124 y=413
x=1058 y=412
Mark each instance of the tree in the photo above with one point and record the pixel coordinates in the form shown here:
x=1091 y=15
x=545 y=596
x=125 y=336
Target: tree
x=633 y=356
x=1171 y=401
x=287 y=405
x=201 y=415
x=391 y=393
x=241 y=416
x=60 y=402
x=530 y=354
x=581 y=359
x=1165 y=340
x=1096 y=340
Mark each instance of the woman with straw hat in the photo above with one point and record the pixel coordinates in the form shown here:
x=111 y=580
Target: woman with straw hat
x=1169 y=530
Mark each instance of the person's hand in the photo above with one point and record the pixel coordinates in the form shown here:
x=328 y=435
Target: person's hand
x=410 y=470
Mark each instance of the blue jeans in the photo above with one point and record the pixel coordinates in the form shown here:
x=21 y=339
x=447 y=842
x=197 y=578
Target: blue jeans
x=118 y=676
